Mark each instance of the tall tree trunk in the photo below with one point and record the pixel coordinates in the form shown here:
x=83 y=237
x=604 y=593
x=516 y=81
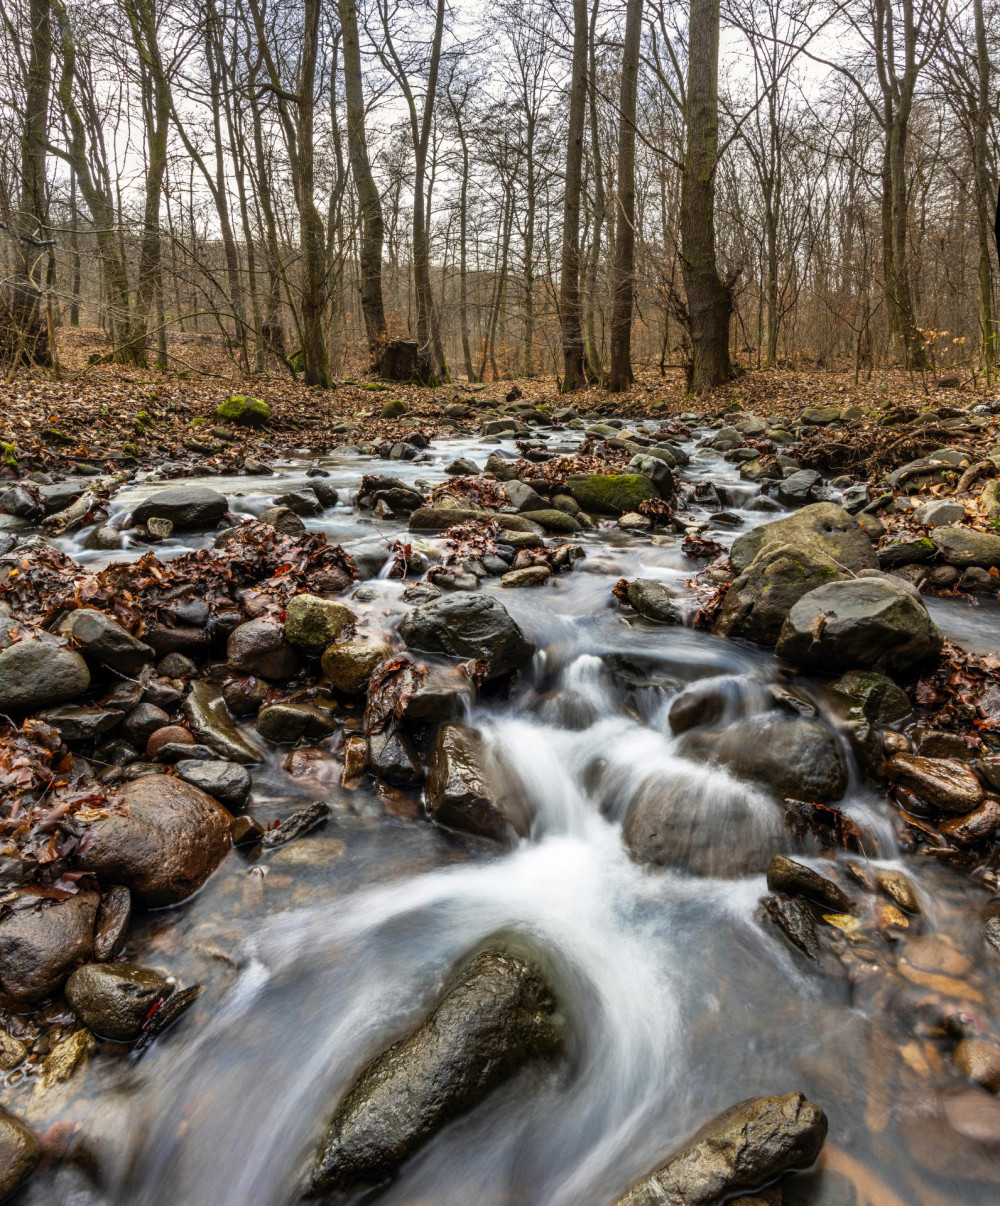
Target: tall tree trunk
x=620 y=376
x=569 y=283
x=984 y=200
x=463 y=245
x=372 y=227
x=595 y=369
x=316 y=362
x=709 y=298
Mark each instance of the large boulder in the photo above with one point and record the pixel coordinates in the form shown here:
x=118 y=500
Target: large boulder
x=163 y=840
x=114 y=999
x=187 y=507
x=34 y=673
x=759 y=600
x=962 y=547
x=104 y=640
x=20 y=1152
x=466 y=625
x=610 y=493
x=42 y=941
x=742 y=1150
x=865 y=623
x=821 y=528
x=496 y=1017
x=795 y=757
x=459 y=792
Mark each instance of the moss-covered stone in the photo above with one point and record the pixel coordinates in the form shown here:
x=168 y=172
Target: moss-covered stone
x=875 y=695
x=611 y=493
x=312 y=623
x=394 y=409
x=553 y=520
x=8 y=455
x=243 y=411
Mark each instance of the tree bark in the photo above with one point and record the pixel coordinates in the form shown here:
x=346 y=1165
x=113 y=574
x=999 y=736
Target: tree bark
x=709 y=298
x=369 y=201
x=569 y=284
x=620 y=376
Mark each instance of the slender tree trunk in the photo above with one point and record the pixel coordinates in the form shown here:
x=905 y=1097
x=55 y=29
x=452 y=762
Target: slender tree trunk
x=595 y=368
x=984 y=200
x=463 y=253
x=620 y=376
x=709 y=299
x=372 y=227
x=569 y=283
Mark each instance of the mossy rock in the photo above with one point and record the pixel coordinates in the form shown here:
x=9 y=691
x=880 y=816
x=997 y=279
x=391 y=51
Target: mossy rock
x=313 y=623
x=554 y=520
x=8 y=455
x=394 y=409
x=875 y=695
x=376 y=387
x=199 y=422
x=611 y=493
x=244 y=411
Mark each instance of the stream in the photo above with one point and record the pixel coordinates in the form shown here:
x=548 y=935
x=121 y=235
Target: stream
x=677 y=999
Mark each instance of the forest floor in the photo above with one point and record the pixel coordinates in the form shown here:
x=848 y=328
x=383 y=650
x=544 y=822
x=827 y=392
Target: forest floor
x=114 y=417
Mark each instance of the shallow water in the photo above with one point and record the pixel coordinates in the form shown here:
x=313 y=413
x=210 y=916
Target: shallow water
x=677 y=1000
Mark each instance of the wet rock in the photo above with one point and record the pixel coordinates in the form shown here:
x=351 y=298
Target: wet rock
x=759 y=600
x=12 y=1053
x=168 y=734
x=823 y=529
x=796 y=489
x=165 y=639
x=34 y=673
x=283 y=520
x=612 y=493
x=468 y=626
x=991 y=923
x=963 y=547
x=946 y=784
x=439 y=519
x=876 y=695
x=42 y=943
x=494 y=1019
x=463 y=467
x=103 y=639
x=113 y=919
x=243 y=696
x=523 y=497
x=899 y=890
x=795 y=757
x=787 y=877
x=442 y=695
x=228 y=783
x=284 y=722
x=903 y=553
x=869 y=623
x=635 y=523
x=939 y=513
x=114 y=999
x=529 y=575
x=555 y=521
x=656 y=601
x=300 y=502
x=975 y=826
x=979 y=1060
x=177 y=666
x=695 y=707
x=292 y=828
x=349 y=664
x=259 y=647
x=312 y=623
x=187 y=507
x=74 y=722
x=452 y=577
x=392 y=757
x=142 y=722
x=163 y=842
x=459 y=791
x=20 y=1152
x=744 y=1149
x=206 y=713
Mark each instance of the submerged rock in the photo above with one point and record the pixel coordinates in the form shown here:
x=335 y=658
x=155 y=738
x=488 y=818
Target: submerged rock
x=797 y=758
x=745 y=1148
x=785 y=875
x=465 y=625
x=163 y=842
x=495 y=1018
x=823 y=529
x=206 y=712
x=865 y=623
x=20 y=1152
x=114 y=999
x=459 y=792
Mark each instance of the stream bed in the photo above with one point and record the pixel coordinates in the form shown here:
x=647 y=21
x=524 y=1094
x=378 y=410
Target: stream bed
x=678 y=999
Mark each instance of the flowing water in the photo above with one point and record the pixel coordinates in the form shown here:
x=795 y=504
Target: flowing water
x=677 y=999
